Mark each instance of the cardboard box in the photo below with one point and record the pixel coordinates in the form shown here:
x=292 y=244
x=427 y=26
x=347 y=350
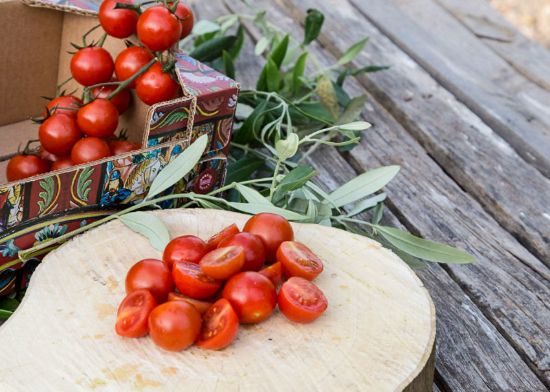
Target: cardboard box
x=34 y=60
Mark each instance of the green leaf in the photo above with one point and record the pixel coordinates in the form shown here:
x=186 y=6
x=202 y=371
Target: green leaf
x=353 y=110
x=295 y=179
x=367 y=203
x=352 y=52
x=261 y=45
x=179 y=167
x=287 y=148
x=422 y=248
x=251 y=195
x=228 y=65
x=212 y=49
x=205 y=27
x=242 y=169
x=253 y=208
x=5 y=314
x=279 y=52
x=251 y=125
x=363 y=185
x=378 y=214
x=272 y=76
x=298 y=72
x=9 y=304
x=235 y=49
x=149 y=226
x=314 y=23
x=355 y=126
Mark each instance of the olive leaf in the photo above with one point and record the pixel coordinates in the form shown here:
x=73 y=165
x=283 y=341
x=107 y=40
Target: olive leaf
x=205 y=27
x=149 y=226
x=298 y=72
x=314 y=23
x=352 y=52
x=295 y=179
x=255 y=208
x=213 y=48
x=251 y=195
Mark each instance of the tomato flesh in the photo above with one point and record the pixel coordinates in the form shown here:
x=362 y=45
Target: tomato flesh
x=133 y=313
x=298 y=260
x=191 y=281
x=274 y=273
x=201 y=306
x=301 y=301
x=150 y=274
x=254 y=251
x=220 y=326
x=215 y=240
x=222 y=263
x=174 y=325
x=273 y=230
x=184 y=248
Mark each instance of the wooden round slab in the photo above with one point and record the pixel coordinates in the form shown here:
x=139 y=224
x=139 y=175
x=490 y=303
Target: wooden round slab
x=376 y=335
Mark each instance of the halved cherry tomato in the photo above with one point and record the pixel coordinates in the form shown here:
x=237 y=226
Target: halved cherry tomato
x=62 y=163
x=150 y=274
x=273 y=229
x=58 y=134
x=156 y=86
x=301 y=301
x=119 y=23
x=131 y=60
x=121 y=100
x=298 y=260
x=99 y=118
x=133 y=314
x=23 y=166
x=252 y=296
x=89 y=149
x=215 y=240
x=223 y=263
x=66 y=104
x=219 y=327
x=254 y=252
x=185 y=16
x=174 y=325
x=92 y=65
x=184 y=248
x=122 y=146
x=191 y=281
x=201 y=306
x=158 y=28
x=274 y=273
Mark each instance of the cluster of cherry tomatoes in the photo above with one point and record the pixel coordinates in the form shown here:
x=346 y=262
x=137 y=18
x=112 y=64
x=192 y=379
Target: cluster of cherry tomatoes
x=235 y=277
x=81 y=130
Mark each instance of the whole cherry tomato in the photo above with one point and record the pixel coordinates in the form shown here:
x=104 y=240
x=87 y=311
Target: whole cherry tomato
x=121 y=100
x=273 y=229
x=274 y=273
x=62 y=163
x=66 y=104
x=223 y=263
x=92 y=65
x=174 y=325
x=119 y=23
x=156 y=86
x=23 y=166
x=298 y=260
x=158 y=28
x=191 y=281
x=46 y=155
x=122 y=146
x=58 y=134
x=215 y=240
x=99 y=118
x=89 y=149
x=150 y=274
x=131 y=60
x=254 y=252
x=252 y=296
x=201 y=306
x=301 y=301
x=184 y=248
x=219 y=327
x=185 y=16
x=133 y=314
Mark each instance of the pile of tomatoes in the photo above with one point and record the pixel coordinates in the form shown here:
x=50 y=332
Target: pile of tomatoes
x=201 y=291
x=77 y=130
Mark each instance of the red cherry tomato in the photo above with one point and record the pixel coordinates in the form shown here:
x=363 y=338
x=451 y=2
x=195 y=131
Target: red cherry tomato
x=298 y=260
x=252 y=295
x=254 y=252
x=133 y=314
x=273 y=229
x=122 y=146
x=23 y=166
x=220 y=326
x=99 y=118
x=274 y=273
x=58 y=134
x=201 y=306
x=119 y=23
x=62 y=163
x=92 y=65
x=301 y=301
x=46 y=155
x=66 y=104
x=184 y=248
x=215 y=240
x=131 y=60
x=89 y=149
x=174 y=325
x=191 y=281
x=186 y=18
x=158 y=28
x=121 y=100
x=223 y=263
x=156 y=86
x=150 y=274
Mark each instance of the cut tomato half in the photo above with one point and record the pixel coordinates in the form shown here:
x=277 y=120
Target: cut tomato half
x=274 y=273
x=133 y=312
x=219 y=327
x=301 y=301
x=201 y=306
x=298 y=260
x=223 y=263
x=191 y=281
x=215 y=240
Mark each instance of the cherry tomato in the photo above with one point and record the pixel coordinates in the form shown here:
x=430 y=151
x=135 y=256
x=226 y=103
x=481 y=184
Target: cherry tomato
x=92 y=65
x=23 y=166
x=254 y=252
x=58 y=134
x=201 y=306
x=219 y=327
x=131 y=60
x=298 y=260
x=274 y=273
x=252 y=295
x=122 y=146
x=121 y=100
x=99 y=118
x=174 y=325
x=301 y=301
x=158 y=28
x=184 y=248
x=223 y=263
x=191 y=281
x=89 y=149
x=62 y=163
x=66 y=104
x=119 y=23
x=185 y=16
x=273 y=229
x=215 y=240
x=156 y=86
x=133 y=314
x=150 y=274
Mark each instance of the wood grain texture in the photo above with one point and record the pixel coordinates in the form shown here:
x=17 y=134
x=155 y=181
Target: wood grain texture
x=376 y=335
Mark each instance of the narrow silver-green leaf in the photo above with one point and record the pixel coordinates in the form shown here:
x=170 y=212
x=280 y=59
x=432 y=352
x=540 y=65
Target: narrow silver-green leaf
x=149 y=226
x=352 y=52
x=353 y=110
x=205 y=26
x=355 y=126
x=261 y=46
x=251 y=195
x=298 y=72
x=256 y=208
x=367 y=203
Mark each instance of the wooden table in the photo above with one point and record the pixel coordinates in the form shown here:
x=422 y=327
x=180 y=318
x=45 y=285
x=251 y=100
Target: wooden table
x=465 y=110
